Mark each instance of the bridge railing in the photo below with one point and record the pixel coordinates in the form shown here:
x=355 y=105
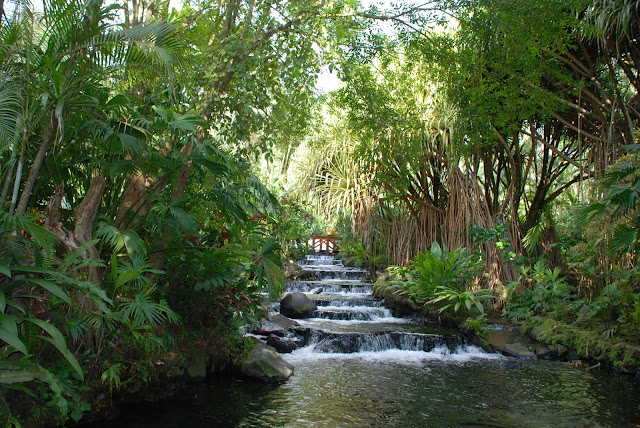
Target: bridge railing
x=325 y=244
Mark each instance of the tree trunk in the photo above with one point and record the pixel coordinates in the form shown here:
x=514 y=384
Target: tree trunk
x=85 y=215
x=135 y=199
x=49 y=134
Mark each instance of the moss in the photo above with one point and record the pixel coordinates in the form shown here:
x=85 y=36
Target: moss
x=587 y=341
x=267 y=369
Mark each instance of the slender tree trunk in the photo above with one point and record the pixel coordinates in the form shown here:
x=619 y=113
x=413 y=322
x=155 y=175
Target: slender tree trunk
x=135 y=11
x=47 y=139
x=8 y=176
x=127 y=16
x=249 y=19
x=16 y=184
x=135 y=198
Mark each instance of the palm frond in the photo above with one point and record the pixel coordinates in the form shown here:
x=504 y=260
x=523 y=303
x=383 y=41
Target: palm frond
x=143 y=310
x=118 y=239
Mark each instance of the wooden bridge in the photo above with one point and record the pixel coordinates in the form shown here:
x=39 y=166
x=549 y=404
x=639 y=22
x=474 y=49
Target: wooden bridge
x=325 y=244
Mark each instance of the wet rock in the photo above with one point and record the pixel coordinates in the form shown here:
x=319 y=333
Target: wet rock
x=517 y=350
x=317 y=290
x=265 y=364
x=297 y=305
x=400 y=305
x=305 y=275
x=573 y=355
x=562 y=351
x=291 y=269
x=197 y=365
x=304 y=334
x=543 y=352
x=267 y=328
x=286 y=323
x=485 y=346
x=284 y=345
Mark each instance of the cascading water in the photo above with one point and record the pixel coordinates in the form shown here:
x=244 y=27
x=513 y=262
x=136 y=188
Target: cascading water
x=349 y=321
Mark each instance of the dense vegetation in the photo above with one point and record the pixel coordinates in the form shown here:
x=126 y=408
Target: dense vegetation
x=489 y=155
x=156 y=165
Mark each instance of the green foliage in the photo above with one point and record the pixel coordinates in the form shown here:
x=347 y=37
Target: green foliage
x=294 y=226
x=471 y=299
x=268 y=272
x=112 y=376
x=439 y=267
x=355 y=254
x=620 y=203
x=141 y=309
x=548 y=292
x=444 y=279
x=26 y=292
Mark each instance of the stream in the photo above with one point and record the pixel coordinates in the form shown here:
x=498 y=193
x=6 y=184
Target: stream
x=363 y=367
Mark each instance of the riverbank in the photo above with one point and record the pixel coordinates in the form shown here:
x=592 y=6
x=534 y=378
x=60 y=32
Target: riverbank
x=537 y=337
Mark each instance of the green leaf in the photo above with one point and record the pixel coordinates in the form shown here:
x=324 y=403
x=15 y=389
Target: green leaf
x=3 y=302
x=11 y=372
x=468 y=304
x=5 y=270
x=43 y=237
x=57 y=340
x=52 y=288
x=24 y=390
x=125 y=277
x=9 y=333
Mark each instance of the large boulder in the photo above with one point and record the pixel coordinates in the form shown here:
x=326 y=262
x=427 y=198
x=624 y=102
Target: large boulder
x=518 y=350
x=297 y=305
x=265 y=364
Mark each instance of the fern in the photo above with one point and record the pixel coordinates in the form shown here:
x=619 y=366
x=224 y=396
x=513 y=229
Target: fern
x=143 y=310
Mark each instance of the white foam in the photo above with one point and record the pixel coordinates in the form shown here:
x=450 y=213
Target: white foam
x=326 y=323
x=462 y=354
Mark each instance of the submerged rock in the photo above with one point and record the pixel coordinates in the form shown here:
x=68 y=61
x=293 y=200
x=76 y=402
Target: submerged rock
x=297 y=305
x=517 y=350
x=265 y=364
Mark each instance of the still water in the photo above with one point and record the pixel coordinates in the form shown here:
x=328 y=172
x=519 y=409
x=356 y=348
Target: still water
x=405 y=389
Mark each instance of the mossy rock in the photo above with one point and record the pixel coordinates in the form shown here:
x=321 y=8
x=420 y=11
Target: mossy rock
x=588 y=342
x=197 y=365
x=264 y=363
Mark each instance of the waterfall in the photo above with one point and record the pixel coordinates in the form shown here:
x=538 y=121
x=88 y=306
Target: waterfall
x=349 y=321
